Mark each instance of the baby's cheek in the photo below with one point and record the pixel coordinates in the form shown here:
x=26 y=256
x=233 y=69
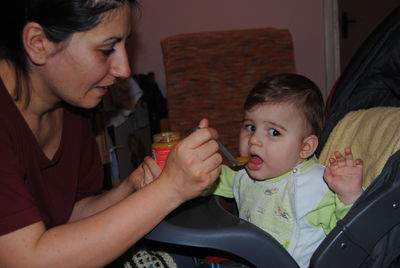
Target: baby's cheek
x=243 y=147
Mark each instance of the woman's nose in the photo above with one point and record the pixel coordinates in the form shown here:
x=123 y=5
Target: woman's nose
x=120 y=65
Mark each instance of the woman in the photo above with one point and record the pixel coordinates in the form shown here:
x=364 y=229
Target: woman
x=56 y=55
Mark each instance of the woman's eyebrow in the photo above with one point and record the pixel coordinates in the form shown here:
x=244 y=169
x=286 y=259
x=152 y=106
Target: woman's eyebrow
x=113 y=39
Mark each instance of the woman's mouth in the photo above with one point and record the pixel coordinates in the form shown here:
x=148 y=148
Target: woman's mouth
x=102 y=89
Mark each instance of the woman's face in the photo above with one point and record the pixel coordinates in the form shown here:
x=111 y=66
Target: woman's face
x=83 y=68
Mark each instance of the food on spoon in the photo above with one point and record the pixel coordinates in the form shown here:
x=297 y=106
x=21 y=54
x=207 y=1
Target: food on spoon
x=242 y=159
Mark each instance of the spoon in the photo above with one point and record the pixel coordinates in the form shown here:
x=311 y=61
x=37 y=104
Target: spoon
x=238 y=161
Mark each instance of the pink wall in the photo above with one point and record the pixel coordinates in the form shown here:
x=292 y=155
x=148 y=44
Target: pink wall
x=162 y=18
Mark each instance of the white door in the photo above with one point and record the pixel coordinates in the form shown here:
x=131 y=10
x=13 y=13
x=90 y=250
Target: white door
x=357 y=19
x=347 y=24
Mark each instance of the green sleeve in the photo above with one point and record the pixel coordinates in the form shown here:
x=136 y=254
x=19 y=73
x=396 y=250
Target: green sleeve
x=223 y=186
x=329 y=211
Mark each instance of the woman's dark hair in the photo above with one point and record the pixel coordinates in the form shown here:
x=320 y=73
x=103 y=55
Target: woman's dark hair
x=59 y=19
x=292 y=88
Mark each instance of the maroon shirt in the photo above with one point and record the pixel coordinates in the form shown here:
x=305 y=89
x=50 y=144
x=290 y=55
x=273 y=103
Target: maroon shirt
x=34 y=188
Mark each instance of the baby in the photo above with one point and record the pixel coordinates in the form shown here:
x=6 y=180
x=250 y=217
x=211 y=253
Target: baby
x=283 y=189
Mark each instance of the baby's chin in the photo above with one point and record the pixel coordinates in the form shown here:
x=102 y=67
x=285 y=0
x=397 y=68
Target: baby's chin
x=259 y=175
x=256 y=175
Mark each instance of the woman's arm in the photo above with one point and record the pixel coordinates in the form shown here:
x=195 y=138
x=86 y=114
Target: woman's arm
x=91 y=242
x=143 y=175
x=96 y=240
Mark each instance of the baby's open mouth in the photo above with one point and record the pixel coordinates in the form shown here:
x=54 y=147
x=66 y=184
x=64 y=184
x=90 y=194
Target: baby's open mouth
x=255 y=162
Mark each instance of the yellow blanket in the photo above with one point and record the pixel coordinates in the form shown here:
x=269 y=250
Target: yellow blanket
x=372 y=134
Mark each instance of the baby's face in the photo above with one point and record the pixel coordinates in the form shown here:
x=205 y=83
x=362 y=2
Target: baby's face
x=272 y=136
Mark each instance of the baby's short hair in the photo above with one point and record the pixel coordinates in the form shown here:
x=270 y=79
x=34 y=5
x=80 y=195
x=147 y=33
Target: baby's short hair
x=294 y=88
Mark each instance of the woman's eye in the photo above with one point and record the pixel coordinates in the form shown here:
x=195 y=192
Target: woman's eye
x=273 y=132
x=250 y=128
x=107 y=52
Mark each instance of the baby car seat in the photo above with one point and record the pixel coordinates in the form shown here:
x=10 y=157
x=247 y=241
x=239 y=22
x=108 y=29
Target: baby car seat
x=369 y=235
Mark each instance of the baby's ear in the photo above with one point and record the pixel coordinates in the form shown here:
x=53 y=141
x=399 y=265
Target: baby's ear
x=309 y=146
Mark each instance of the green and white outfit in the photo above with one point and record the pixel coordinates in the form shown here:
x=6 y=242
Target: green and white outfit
x=297 y=208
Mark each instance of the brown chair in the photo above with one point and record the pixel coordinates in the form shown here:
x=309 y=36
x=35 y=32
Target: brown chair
x=209 y=74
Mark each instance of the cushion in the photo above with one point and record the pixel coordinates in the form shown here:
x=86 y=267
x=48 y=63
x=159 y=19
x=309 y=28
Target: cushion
x=372 y=134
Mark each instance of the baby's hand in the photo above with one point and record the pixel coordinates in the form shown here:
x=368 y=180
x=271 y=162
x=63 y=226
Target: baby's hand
x=344 y=176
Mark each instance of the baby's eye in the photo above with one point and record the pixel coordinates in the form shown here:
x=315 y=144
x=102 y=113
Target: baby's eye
x=273 y=132
x=250 y=128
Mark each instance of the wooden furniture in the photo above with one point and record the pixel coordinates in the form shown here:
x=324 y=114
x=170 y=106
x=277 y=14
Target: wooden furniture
x=209 y=75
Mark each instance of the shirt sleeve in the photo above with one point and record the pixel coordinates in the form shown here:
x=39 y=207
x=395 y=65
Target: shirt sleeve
x=223 y=186
x=17 y=206
x=329 y=211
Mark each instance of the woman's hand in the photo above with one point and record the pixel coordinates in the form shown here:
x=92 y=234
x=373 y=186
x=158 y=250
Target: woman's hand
x=144 y=174
x=194 y=163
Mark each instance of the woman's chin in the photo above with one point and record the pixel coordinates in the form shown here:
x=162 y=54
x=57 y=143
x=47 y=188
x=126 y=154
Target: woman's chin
x=88 y=104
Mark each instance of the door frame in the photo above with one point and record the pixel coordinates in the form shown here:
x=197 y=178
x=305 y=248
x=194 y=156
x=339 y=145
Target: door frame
x=332 y=43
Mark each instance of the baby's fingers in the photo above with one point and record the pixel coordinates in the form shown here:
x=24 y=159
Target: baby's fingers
x=332 y=162
x=348 y=155
x=341 y=161
x=358 y=162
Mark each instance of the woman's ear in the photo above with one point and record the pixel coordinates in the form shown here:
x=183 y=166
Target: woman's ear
x=36 y=44
x=309 y=146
